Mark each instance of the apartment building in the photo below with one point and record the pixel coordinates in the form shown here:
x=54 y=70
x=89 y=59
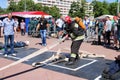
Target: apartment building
x=63 y=5
x=88 y=9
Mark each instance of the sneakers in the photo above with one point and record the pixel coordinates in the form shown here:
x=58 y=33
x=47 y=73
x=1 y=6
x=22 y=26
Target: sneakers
x=13 y=54
x=44 y=44
x=5 y=55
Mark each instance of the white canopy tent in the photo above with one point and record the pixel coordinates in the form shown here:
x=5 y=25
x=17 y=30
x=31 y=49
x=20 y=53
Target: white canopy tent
x=104 y=16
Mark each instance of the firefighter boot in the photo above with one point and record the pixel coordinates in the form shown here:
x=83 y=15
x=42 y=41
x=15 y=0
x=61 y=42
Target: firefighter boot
x=72 y=59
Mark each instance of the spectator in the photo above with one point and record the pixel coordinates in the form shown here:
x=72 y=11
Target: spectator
x=118 y=31
x=59 y=25
x=115 y=31
x=22 y=27
x=50 y=27
x=86 y=23
x=8 y=25
x=0 y=27
x=43 y=24
x=16 y=22
x=108 y=26
x=30 y=26
x=100 y=30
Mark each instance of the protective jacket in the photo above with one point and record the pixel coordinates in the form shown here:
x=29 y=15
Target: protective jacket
x=74 y=31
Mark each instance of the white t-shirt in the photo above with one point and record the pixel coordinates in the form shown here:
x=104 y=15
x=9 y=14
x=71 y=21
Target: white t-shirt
x=16 y=23
x=108 y=25
x=59 y=23
x=22 y=25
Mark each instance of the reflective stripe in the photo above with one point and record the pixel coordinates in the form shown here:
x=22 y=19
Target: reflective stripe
x=72 y=36
x=73 y=55
x=79 y=38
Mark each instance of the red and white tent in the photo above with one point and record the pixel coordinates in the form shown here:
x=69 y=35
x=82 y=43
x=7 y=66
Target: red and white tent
x=29 y=14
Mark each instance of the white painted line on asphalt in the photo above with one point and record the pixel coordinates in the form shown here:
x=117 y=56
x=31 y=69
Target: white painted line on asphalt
x=13 y=57
x=61 y=67
x=93 y=61
x=40 y=51
x=88 y=59
x=98 y=78
x=85 y=65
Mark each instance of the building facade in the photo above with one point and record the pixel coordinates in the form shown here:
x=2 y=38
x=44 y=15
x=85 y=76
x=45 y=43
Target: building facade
x=88 y=9
x=63 y=5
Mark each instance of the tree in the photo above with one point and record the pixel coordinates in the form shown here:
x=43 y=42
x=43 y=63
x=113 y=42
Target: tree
x=29 y=5
x=46 y=9
x=54 y=11
x=101 y=8
x=105 y=7
x=38 y=7
x=77 y=9
x=12 y=7
x=1 y=10
x=113 y=8
x=98 y=8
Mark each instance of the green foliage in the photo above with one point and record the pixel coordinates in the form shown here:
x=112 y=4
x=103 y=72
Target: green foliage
x=77 y=9
x=54 y=11
x=1 y=10
x=101 y=8
x=31 y=6
x=12 y=7
x=38 y=7
x=113 y=8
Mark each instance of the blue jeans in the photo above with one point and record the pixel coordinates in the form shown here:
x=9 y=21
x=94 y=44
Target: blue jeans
x=43 y=36
x=6 y=40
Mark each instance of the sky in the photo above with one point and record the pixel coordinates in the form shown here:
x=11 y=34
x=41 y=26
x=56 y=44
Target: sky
x=3 y=3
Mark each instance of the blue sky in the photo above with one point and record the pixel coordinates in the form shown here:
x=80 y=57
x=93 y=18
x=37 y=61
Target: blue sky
x=3 y=3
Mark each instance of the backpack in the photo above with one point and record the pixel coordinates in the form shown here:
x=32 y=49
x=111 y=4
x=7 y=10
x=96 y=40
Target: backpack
x=80 y=23
x=74 y=30
x=77 y=30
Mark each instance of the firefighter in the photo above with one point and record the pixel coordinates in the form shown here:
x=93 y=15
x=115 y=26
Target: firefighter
x=74 y=29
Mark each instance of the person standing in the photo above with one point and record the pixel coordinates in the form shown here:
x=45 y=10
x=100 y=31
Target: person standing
x=108 y=27
x=115 y=21
x=0 y=27
x=59 y=26
x=86 y=23
x=8 y=25
x=118 y=31
x=100 y=30
x=43 y=24
x=22 y=27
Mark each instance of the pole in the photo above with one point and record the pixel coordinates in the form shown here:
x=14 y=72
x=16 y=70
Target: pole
x=117 y=6
x=25 y=6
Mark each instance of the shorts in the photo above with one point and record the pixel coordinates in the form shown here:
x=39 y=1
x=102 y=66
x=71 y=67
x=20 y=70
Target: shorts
x=59 y=29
